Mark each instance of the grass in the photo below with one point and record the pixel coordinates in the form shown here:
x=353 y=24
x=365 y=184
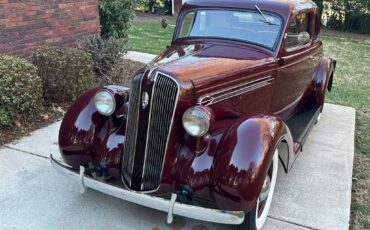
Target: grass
x=352 y=82
x=150 y=37
x=351 y=88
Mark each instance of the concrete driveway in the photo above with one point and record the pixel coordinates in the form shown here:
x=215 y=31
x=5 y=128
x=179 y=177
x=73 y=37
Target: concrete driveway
x=315 y=195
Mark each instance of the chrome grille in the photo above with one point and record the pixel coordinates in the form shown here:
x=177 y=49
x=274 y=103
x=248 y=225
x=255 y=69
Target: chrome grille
x=163 y=106
x=142 y=167
x=131 y=129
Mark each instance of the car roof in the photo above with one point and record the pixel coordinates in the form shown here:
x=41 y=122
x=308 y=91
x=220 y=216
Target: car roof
x=282 y=7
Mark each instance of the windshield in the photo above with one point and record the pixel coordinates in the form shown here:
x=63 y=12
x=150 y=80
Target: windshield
x=250 y=26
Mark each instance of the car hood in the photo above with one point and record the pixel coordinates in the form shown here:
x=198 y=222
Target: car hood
x=208 y=65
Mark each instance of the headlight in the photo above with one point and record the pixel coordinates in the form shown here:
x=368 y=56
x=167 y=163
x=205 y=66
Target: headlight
x=196 y=121
x=105 y=102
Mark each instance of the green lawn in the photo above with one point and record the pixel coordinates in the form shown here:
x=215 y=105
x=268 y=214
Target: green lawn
x=351 y=88
x=352 y=81
x=149 y=37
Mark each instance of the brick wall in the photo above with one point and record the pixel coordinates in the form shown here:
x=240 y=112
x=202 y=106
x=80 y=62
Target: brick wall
x=26 y=25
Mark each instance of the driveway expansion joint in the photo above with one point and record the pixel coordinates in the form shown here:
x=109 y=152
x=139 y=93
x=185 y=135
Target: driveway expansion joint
x=290 y=222
x=26 y=152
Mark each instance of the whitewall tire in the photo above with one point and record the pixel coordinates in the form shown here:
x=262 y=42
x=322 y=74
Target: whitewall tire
x=255 y=219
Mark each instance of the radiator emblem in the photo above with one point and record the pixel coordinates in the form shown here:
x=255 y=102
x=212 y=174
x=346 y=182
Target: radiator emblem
x=144 y=100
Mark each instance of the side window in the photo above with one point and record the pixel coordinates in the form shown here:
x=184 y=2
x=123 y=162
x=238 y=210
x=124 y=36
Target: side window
x=301 y=23
x=187 y=25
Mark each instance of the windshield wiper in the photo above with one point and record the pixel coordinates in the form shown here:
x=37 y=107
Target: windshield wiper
x=265 y=20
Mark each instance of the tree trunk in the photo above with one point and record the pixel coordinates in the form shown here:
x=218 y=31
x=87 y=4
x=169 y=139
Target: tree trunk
x=347 y=16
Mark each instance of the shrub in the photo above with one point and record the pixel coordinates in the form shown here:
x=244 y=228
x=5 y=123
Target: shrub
x=166 y=4
x=4 y=117
x=20 y=88
x=106 y=55
x=115 y=18
x=65 y=73
x=118 y=74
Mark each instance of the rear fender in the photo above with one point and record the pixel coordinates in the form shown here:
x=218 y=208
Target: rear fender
x=243 y=159
x=323 y=79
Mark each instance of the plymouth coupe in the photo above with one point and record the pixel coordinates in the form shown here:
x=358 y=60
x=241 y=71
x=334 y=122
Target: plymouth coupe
x=203 y=128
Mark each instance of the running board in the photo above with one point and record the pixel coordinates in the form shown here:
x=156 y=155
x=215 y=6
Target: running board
x=302 y=122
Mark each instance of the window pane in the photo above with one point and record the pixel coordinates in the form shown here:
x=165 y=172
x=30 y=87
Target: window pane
x=187 y=25
x=298 y=25
x=230 y=24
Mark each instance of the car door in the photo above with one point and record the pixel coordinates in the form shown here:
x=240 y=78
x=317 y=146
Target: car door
x=295 y=65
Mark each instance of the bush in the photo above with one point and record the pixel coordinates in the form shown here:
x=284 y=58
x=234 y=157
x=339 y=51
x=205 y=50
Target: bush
x=106 y=54
x=4 y=117
x=115 y=18
x=166 y=4
x=20 y=88
x=65 y=73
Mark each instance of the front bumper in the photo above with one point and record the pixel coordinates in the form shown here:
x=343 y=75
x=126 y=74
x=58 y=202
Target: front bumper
x=169 y=206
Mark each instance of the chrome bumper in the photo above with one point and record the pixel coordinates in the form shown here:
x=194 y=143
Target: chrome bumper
x=169 y=206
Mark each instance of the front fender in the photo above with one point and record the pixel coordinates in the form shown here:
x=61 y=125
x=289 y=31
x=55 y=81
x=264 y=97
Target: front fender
x=243 y=160
x=85 y=136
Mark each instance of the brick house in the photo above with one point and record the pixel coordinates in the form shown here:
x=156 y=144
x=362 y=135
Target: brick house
x=27 y=25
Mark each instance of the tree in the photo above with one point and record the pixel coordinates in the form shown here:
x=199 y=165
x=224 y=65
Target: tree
x=320 y=5
x=347 y=15
x=115 y=16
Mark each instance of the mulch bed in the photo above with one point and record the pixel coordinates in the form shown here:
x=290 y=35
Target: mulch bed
x=24 y=125
x=52 y=112
x=127 y=69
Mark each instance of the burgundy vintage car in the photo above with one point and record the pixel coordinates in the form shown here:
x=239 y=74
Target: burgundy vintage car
x=202 y=128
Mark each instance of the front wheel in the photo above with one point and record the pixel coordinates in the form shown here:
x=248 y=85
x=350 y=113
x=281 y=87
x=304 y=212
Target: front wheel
x=255 y=219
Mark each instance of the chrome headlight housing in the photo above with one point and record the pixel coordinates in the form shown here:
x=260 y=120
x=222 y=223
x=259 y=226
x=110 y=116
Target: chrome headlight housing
x=105 y=103
x=196 y=121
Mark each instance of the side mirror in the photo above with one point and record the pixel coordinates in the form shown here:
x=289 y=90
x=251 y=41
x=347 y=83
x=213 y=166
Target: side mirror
x=164 y=23
x=303 y=38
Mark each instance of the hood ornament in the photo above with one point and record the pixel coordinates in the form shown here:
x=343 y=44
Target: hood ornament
x=144 y=100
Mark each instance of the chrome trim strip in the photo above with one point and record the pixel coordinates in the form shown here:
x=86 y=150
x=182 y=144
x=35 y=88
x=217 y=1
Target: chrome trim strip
x=169 y=131
x=233 y=91
x=147 y=132
x=235 y=81
x=161 y=204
